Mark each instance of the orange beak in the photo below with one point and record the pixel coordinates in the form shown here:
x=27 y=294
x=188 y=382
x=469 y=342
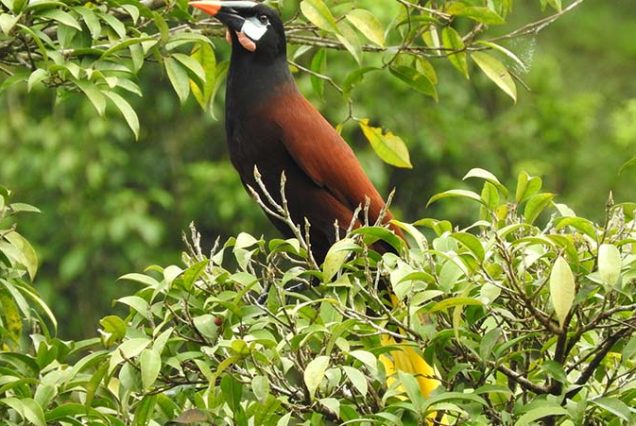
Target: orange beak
x=212 y=7
x=209 y=7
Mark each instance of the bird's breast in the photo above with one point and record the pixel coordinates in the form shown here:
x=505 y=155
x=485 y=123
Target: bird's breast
x=254 y=142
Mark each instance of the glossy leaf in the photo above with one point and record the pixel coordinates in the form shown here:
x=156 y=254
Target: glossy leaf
x=455 y=193
x=389 y=147
x=416 y=80
x=150 y=364
x=317 y=12
x=314 y=373
x=535 y=205
x=126 y=110
x=562 y=288
x=497 y=72
x=609 y=264
x=335 y=258
x=452 y=41
x=178 y=76
x=366 y=22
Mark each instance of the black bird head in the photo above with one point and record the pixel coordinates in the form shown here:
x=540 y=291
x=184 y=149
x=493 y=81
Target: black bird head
x=255 y=29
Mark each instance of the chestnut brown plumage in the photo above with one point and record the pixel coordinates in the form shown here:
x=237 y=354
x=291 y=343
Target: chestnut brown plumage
x=270 y=125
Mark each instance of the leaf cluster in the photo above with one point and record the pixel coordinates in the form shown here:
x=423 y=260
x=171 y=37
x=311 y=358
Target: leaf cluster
x=522 y=322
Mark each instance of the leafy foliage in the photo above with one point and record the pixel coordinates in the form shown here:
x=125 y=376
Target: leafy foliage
x=110 y=203
x=255 y=332
x=19 y=303
x=98 y=49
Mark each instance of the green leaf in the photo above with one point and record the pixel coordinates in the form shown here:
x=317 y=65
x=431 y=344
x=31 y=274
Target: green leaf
x=336 y=257
x=332 y=404
x=455 y=193
x=126 y=110
x=133 y=11
x=390 y=148
x=497 y=72
x=451 y=396
x=150 y=364
x=452 y=302
x=490 y=196
x=91 y=20
x=562 y=288
x=193 y=273
x=379 y=233
x=412 y=388
x=33 y=412
x=487 y=176
x=539 y=413
x=583 y=225
x=357 y=379
x=114 y=23
x=535 y=205
x=61 y=17
x=319 y=66
x=628 y=164
x=114 y=326
x=367 y=358
x=7 y=22
x=178 y=76
x=141 y=278
x=555 y=4
x=28 y=409
x=124 y=44
x=614 y=406
x=206 y=326
x=472 y=243
x=36 y=77
x=93 y=94
x=138 y=304
x=22 y=207
x=11 y=320
x=192 y=65
x=609 y=264
x=314 y=373
x=415 y=79
x=457 y=56
x=204 y=55
x=348 y=37
x=478 y=13
x=128 y=350
x=317 y=12
x=527 y=186
x=28 y=256
x=260 y=387
x=232 y=390
x=505 y=51
x=366 y=22
x=144 y=410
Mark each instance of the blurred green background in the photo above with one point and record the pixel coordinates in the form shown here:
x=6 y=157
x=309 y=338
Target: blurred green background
x=111 y=206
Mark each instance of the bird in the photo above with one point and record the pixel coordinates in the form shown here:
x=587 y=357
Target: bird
x=270 y=125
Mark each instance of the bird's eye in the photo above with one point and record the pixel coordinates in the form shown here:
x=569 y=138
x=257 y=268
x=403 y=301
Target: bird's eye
x=263 y=19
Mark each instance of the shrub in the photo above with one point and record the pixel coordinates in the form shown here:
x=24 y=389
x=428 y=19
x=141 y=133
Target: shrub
x=523 y=323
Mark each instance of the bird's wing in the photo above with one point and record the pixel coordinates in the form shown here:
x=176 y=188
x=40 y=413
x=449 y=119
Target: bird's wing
x=322 y=154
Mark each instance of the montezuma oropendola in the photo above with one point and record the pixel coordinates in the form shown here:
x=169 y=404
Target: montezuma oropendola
x=270 y=125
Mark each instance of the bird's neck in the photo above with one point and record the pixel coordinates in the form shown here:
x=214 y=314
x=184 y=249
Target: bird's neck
x=252 y=81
